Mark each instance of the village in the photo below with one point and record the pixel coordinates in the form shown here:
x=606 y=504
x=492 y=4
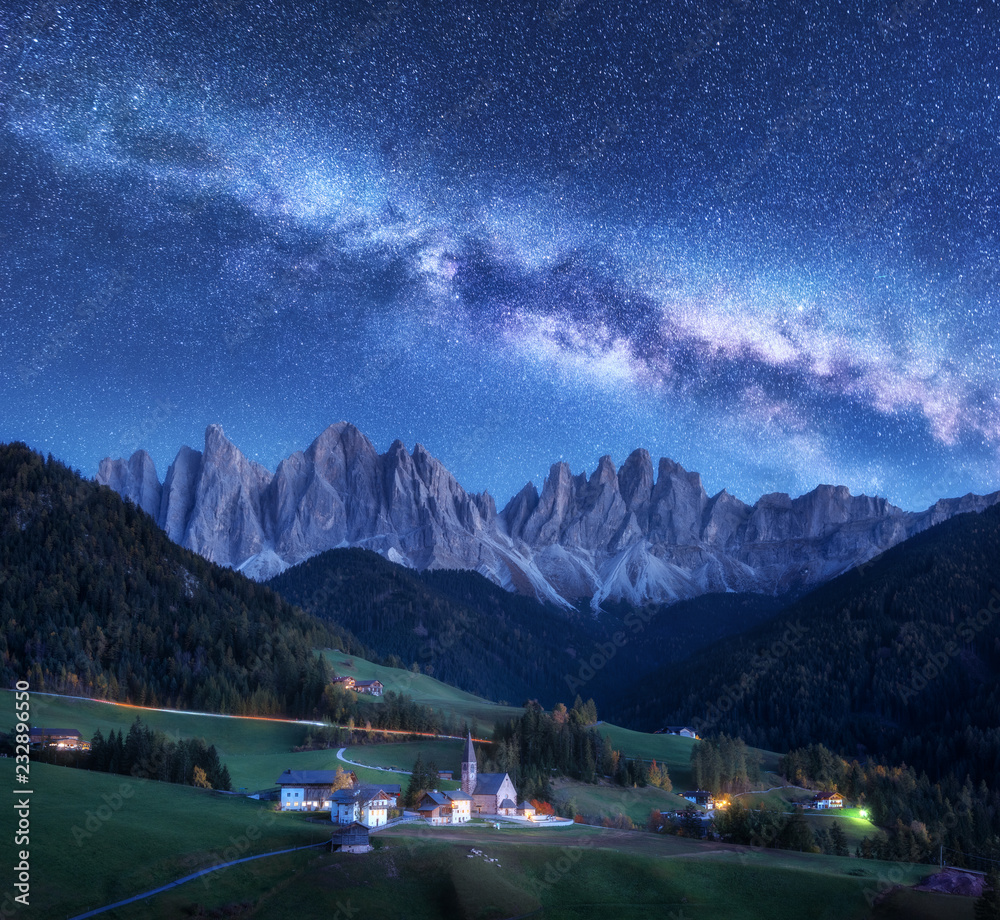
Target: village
x=358 y=809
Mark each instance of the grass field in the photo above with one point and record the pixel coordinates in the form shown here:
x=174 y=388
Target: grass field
x=96 y=838
x=573 y=873
x=465 y=707
x=142 y=834
x=229 y=735
x=784 y=798
x=445 y=754
x=259 y=771
x=672 y=750
x=855 y=827
x=610 y=800
x=247 y=745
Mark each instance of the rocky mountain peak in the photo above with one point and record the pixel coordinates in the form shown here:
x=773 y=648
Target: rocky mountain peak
x=635 y=478
x=612 y=534
x=134 y=479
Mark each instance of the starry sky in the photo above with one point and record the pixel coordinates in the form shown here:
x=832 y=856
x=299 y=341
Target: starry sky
x=762 y=241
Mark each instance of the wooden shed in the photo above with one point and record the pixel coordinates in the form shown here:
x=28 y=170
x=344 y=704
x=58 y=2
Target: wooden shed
x=352 y=838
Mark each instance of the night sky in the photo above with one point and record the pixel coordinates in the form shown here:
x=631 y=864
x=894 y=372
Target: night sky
x=762 y=242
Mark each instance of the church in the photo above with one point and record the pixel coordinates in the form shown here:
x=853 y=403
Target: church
x=492 y=793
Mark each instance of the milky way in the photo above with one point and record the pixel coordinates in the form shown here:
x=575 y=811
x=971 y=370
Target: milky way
x=759 y=242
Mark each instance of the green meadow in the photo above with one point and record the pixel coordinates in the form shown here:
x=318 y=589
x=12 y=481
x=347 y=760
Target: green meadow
x=573 y=873
x=446 y=754
x=98 y=838
x=448 y=700
x=229 y=735
x=610 y=800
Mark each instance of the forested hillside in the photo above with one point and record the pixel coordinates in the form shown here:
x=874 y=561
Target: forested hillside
x=899 y=658
x=455 y=625
x=96 y=600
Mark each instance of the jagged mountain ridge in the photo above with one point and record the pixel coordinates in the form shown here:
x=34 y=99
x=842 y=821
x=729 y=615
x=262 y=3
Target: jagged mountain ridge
x=623 y=534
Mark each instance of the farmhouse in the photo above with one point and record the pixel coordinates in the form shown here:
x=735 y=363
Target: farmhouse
x=700 y=797
x=346 y=682
x=365 y=804
x=66 y=739
x=492 y=793
x=372 y=687
x=828 y=800
x=309 y=790
x=684 y=731
x=394 y=791
x=445 y=807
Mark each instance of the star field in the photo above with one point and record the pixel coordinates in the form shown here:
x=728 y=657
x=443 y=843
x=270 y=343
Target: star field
x=760 y=241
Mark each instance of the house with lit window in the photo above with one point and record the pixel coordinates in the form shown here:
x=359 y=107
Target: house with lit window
x=64 y=739
x=685 y=731
x=371 y=687
x=445 y=807
x=828 y=800
x=363 y=803
x=308 y=790
x=700 y=797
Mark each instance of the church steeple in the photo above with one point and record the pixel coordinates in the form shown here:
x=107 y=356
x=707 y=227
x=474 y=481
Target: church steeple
x=469 y=768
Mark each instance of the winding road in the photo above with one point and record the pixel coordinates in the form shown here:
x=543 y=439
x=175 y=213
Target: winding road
x=368 y=766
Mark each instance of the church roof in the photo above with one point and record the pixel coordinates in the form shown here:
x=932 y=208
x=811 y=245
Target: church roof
x=470 y=753
x=489 y=783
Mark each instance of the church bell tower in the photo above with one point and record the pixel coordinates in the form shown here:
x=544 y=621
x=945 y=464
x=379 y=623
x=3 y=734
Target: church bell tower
x=469 y=768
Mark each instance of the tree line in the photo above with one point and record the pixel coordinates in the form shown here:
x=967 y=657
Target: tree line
x=915 y=815
x=96 y=600
x=565 y=742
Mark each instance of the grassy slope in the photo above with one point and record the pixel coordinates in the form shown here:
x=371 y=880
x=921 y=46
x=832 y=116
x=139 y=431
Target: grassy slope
x=609 y=799
x=229 y=735
x=427 y=870
x=575 y=873
x=427 y=690
x=258 y=750
x=158 y=832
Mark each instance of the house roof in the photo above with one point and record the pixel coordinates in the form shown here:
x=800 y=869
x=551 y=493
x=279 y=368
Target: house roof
x=489 y=783
x=828 y=795
x=437 y=798
x=507 y=803
x=367 y=683
x=306 y=778
x=458 y=796
x=355 y=828
x=362 y=793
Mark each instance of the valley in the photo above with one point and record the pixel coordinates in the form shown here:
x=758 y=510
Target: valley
x=153 y=833
x=136 y=626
